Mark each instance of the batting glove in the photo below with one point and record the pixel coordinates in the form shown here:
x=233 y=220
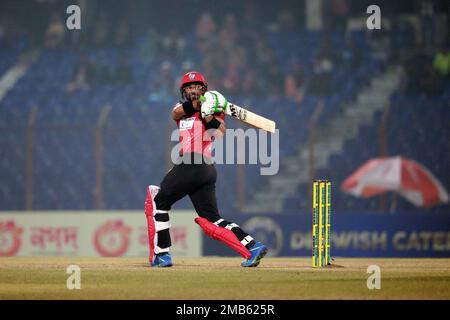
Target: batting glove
x=212 y=102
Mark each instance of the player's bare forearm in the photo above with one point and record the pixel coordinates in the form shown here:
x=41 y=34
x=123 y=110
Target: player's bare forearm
x=220 y=131
x=178 y=111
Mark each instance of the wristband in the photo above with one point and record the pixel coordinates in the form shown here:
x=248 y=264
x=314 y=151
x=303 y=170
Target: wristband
x=213 y=124
x=188 y=108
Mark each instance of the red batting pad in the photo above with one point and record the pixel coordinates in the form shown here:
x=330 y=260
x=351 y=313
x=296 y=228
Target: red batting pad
x=224 y=235
x=150 y=224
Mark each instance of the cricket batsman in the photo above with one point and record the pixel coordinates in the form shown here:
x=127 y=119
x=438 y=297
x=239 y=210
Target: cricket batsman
x=195 y=176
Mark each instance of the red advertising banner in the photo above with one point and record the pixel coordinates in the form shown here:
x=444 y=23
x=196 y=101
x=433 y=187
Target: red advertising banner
x=91 y=233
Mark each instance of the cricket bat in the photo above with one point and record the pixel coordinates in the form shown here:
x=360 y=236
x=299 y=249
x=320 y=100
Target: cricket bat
x=250 y=118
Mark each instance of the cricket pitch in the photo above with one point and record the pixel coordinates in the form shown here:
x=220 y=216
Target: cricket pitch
x=222 y=278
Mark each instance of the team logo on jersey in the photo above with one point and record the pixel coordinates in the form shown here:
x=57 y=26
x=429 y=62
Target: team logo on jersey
x=187 y=124
x=191 y=76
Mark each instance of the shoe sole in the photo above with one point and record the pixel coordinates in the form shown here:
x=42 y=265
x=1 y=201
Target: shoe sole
x=258 y=258
x=162 y=266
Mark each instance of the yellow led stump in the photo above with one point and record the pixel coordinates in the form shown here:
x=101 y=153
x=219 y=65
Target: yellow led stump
x=321 y=223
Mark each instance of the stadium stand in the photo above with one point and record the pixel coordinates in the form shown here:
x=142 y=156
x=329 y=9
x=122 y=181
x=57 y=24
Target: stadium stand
x=136 y=131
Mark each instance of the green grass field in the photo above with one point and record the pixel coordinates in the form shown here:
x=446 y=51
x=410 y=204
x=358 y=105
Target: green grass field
x=222 y=278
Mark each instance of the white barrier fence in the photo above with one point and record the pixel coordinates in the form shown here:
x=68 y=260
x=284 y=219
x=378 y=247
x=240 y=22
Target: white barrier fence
x=91 y=233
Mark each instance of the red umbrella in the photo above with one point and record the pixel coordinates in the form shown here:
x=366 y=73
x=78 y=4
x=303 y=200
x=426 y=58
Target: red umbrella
x=405 y=176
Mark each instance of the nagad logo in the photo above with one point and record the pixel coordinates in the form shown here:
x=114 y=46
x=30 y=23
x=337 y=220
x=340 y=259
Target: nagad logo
x=267 y=231
x=112 y=239
x=10 y=238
